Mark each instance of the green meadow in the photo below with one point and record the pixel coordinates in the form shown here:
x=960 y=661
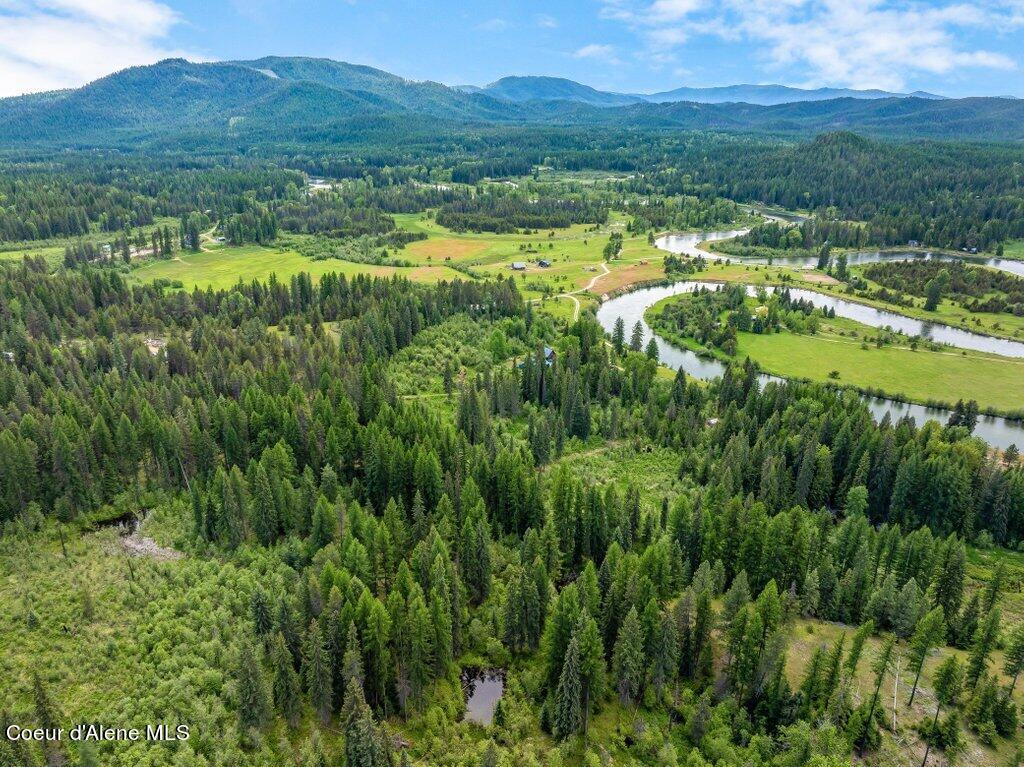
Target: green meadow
x=844 y=352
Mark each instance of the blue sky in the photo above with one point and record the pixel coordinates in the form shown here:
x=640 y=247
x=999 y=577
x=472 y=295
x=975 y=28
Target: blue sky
x=953 y=47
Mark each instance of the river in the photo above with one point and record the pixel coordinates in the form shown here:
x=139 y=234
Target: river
x=686 y=244
x=631 y=306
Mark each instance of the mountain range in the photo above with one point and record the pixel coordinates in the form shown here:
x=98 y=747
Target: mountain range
x=559 y=89
x=281 y=98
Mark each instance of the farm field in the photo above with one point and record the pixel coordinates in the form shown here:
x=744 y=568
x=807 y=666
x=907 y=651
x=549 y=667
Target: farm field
x=574 y=253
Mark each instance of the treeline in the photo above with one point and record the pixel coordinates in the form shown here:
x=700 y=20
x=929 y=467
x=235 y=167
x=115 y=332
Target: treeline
x=85 y=195
x=505 y=213
x=969 y=285
x=683 y=212
x=947 y=195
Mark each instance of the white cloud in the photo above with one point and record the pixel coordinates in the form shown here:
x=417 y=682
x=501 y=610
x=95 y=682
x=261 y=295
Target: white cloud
x=47 y=44
x=856 y=43
x=594 y=51
x=544 y=21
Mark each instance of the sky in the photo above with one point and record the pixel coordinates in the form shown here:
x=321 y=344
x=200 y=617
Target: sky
x=951 y=47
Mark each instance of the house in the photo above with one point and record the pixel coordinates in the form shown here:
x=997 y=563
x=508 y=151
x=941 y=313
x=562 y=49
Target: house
x=549 y=355
x=913 y=244
x=519 y=266
x=544 y=263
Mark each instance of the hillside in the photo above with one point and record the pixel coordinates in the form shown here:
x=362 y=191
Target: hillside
x=275 y=98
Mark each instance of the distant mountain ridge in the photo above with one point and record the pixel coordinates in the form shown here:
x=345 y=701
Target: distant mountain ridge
x=302 y=99
x=537 y=88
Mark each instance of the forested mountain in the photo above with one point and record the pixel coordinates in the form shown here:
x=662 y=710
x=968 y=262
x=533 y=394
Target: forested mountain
x=554 y=89
x=322 y=100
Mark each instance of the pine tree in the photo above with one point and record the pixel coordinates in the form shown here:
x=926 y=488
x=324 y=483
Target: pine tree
x=930 y=631
x=948 y=682
x=1013 y=663
x=665 y=655
x=324 y=525
x=568 y=714
x=253 y=697
x=420 y=657
x=636 y=339
x=982 y=646
x=365 y=744
x=810 y=594
x=352 y=661
x=287 y=687
x=592 y=664
x=628 y=659
x=259 y=609
x=857 y=646
x=881 y=667
x=736 y=597
x=316 y=670
x=263 y=513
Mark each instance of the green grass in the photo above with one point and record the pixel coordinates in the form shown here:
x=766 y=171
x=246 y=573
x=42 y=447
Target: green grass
x=575 y=254
x=653 y=469
x=1014 y=249
x=223 y=267
x=923 y=375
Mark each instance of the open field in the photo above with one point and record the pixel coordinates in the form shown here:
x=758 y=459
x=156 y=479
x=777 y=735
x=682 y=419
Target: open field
x=918 y=375
x=848 y=348
x=574 y=254
x=224 y=266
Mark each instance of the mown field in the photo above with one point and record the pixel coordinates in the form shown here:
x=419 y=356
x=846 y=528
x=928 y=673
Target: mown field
x=574 y=253
x=222 y=267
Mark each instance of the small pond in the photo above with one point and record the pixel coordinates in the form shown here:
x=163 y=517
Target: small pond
x=483 y=689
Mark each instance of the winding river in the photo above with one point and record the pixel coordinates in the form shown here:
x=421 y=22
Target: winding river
x=631 y=306
x=686 y=244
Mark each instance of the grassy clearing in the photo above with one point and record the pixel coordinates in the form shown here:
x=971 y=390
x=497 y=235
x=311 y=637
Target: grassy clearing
x=223 y=267
x=847 y=348
x=1014 y=249
x=653 y=469
x=921 y=376
x=574 y=253
x=902 y=745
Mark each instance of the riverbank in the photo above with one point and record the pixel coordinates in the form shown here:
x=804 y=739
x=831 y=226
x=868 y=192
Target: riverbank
x=946 y=315
x=843 y=354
